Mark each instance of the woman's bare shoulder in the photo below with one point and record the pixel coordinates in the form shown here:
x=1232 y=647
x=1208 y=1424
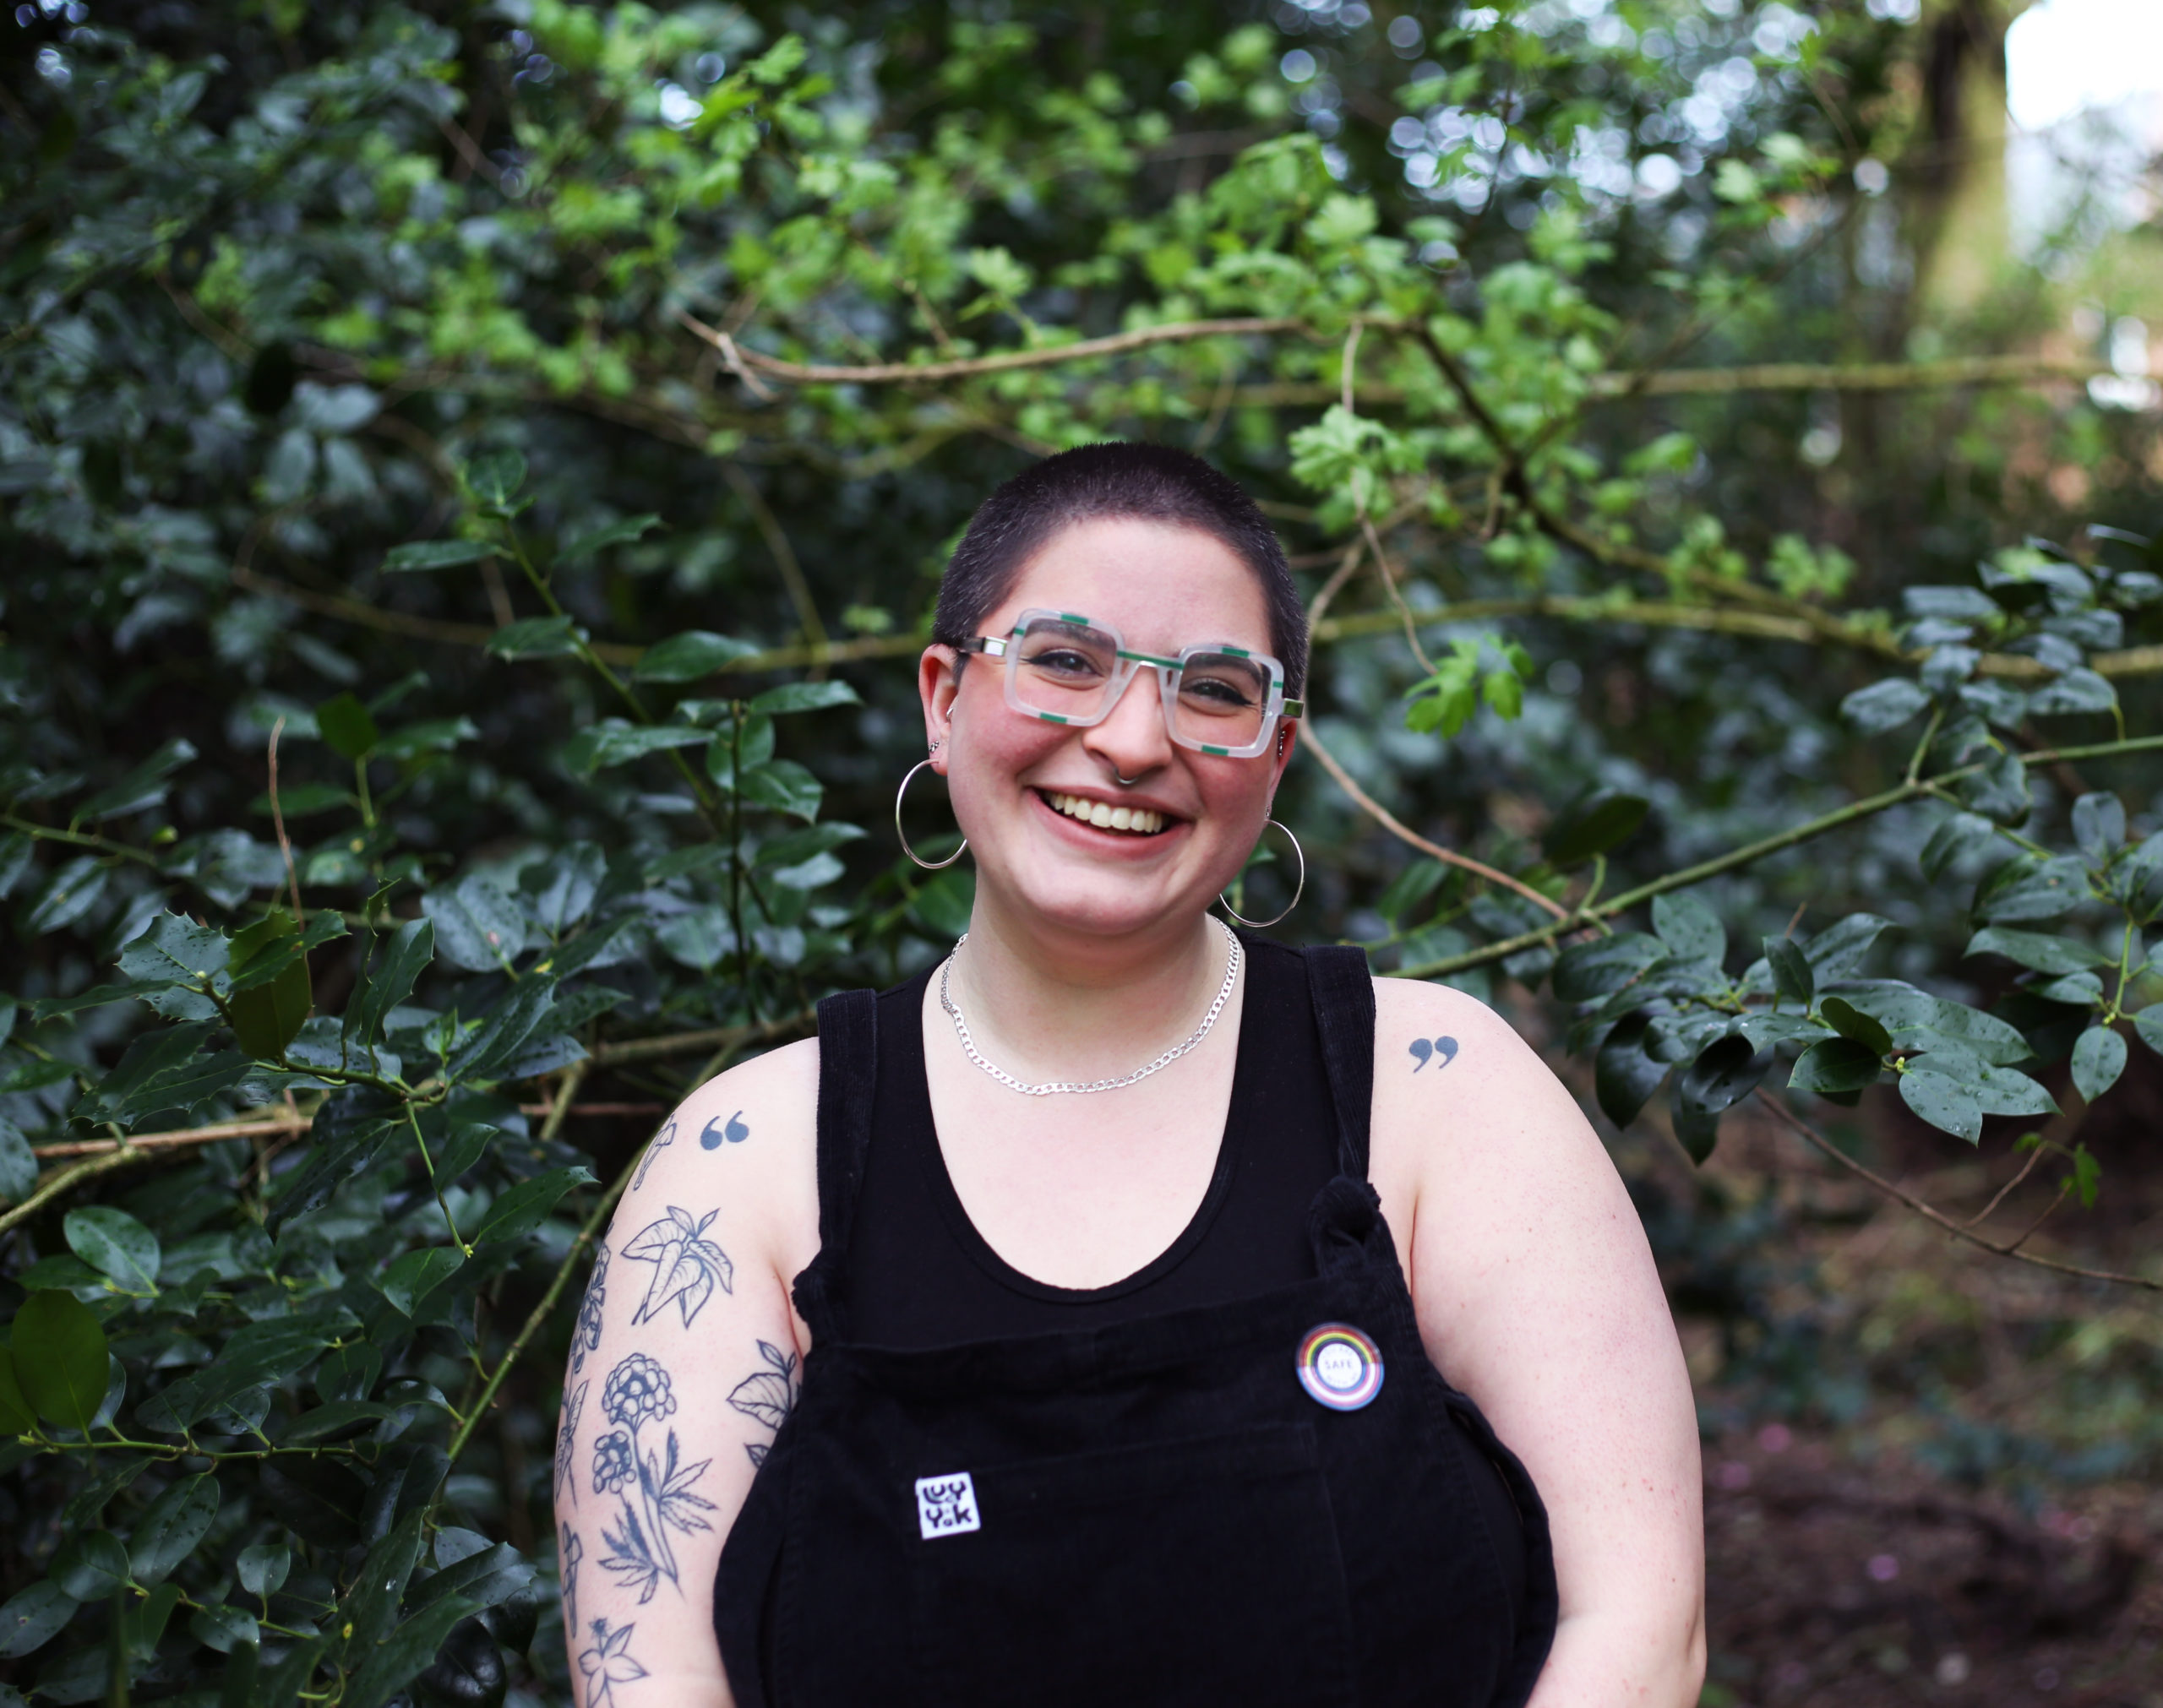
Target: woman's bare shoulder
x=746 y=1138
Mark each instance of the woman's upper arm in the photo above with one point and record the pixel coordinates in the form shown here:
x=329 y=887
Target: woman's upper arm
x=1537 y=1295
x=685 y=1359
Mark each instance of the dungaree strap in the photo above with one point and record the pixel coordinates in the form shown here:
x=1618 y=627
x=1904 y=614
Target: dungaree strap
x=848 y=1079
x=1343 y=995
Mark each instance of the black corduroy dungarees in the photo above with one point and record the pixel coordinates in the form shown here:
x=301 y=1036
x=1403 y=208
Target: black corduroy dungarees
x=1153 y=1511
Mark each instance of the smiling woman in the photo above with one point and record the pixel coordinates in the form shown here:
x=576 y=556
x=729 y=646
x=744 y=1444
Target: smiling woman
x=1159 y=1332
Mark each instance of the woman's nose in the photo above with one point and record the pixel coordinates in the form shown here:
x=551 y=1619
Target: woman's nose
x=1133 y=738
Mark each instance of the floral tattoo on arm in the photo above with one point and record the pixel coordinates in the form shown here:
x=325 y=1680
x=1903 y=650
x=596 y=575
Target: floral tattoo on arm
x=768 y=1396
x=652 y=1484
x=687 y=1266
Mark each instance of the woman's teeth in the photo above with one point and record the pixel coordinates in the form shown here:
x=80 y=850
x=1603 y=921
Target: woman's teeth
x=1135 y=820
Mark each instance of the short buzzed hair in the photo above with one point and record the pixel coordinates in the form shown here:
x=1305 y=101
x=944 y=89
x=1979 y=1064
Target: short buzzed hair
x=1117 y=481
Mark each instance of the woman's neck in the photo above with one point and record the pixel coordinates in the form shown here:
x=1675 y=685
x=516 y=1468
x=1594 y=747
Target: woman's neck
x=1054 y=1004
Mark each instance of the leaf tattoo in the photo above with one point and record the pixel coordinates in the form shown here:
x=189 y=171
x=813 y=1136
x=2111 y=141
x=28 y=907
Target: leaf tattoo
x=608 y=1663
x=687 y=1268
x=567 y=1441
x=661 y=1141
x=586 y=1334
x=639 y=1394
x=570 y=1552
x=768 y=1396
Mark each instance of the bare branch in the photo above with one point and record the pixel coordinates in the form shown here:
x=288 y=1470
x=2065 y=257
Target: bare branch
x=1930 y=1213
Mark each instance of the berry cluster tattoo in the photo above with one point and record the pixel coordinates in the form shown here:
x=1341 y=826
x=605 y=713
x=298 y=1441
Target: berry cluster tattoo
x=654 y=1488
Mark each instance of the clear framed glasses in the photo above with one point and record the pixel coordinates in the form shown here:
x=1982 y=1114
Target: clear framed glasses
x=1065 y=669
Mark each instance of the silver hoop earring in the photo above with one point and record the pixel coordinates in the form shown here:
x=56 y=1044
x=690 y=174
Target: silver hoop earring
x=901 y=836
x=1298 y=890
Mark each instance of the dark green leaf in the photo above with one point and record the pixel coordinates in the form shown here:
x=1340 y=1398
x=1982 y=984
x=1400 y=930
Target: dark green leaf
x=59 y=1349
x=2099 y=826
x=689 y=656
x=91 y=1565
x=34 y=1617
x=494 y=477
x=477 y=927
x=339 y=1153
x=1623 y=1075
x=2037 y=950
x=1726 y=1071
x=422 y=555
x=1943 y=1101
x=1838 y=950
x=1587 y=971
x=521 y=1210
x=2149 y=1023
x=165 y=1069
x=407 y=1476
x=388 y=1667
x=17 y=1417
x=1593 y=825
x=2026 y=887
x=562 y=886
x=613 y=742
x=785 y=787
x=228 y=1630
x=262 y=1569
x=414 y=1275
x=167 y=1533
x=370 y=1608
x=34 y=1074
x=403 y=957
x=174 y=948
x=536 y=636
x=1405 y=891
x=503 y=1029
x=16 y=853
x=804 y=696
x=72 y=892
x=114 y=1243
x=347 y=726
x=2098 y=1058
x=1883 y=705
x=621 y=533
x=1834 y=1067
x=319 y=1500
x=2078 y=690
x=1690 y=929
x=2009 y=1092
x=144 y=785
x=1792 y=978
x=1999 y=790
x=1851 y=1023
x=1956 y=836
x=483 y=1579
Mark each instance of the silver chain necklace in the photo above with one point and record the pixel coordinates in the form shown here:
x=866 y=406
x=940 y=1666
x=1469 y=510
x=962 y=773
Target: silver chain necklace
x=1054 y=1087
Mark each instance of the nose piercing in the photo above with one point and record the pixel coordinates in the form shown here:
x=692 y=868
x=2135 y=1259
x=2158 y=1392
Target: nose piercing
x=1124 y=782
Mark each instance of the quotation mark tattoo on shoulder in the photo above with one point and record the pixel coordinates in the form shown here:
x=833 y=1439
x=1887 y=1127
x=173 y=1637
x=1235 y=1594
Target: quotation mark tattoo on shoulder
x=608 y=1663
x=1442 y=1050
x=661 y=1141
x=718 y=1133
x=768 y=1396
x=569 y=1551
x=687 y=1266
x=585 y=1332
x=567 y=1441
x=654 y=1488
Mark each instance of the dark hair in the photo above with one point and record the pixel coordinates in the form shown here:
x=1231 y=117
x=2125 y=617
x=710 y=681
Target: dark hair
x=1117 y=481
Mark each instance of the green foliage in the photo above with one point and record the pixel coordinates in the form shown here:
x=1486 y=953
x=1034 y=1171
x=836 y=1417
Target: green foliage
x=484 y=405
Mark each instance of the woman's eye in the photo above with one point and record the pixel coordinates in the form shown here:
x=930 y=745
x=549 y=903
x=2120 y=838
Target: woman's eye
x=1064 y=663
x=1216 y=692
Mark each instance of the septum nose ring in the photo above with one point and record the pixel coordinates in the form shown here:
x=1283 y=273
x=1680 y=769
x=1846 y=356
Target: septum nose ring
x=1124 y=782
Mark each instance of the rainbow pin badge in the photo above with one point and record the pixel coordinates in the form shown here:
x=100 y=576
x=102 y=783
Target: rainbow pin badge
x=1339 y=1366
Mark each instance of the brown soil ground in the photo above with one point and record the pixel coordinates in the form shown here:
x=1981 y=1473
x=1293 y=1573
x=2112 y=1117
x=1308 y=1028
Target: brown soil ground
x=1848 y=1586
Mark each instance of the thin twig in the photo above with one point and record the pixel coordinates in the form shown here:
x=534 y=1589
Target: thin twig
x=1405 y=832
x=540 y=1312
x=278 y=820
x=2007 y=1190
x=566 y=1091
x=888 y=372
x=1931 y=1214
x=177 y=1138
x=784 y=555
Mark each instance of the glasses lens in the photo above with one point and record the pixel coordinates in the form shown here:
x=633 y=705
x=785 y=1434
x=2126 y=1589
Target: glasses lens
x=1221 y=699
x=1062 y=670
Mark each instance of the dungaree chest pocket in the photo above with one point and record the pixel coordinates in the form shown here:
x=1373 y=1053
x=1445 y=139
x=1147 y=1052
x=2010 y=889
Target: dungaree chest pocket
x=1195 y=1571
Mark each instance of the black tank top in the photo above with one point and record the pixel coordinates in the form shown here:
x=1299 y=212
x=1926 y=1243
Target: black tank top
x=922 y=1275
x=989 y=1490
